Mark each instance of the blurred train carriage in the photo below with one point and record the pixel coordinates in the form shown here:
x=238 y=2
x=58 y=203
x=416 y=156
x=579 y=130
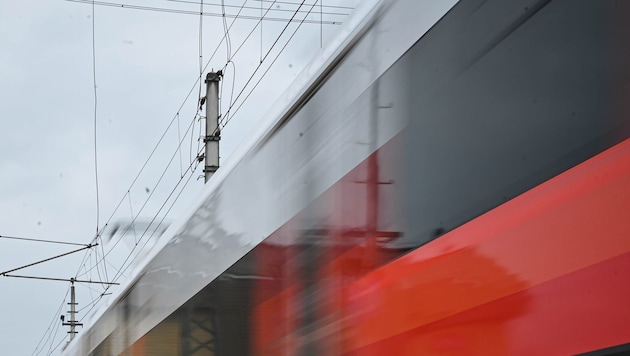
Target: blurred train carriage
x=449 y=178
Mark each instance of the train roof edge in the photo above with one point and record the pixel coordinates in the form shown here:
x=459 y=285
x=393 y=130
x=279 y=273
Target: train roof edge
x=297 y=92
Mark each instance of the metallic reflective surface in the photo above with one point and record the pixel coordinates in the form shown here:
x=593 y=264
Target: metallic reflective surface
x=459 y=191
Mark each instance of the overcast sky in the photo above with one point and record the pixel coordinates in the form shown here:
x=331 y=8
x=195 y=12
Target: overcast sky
x=146 y=64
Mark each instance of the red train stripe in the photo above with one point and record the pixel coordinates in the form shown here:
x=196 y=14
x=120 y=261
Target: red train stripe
x=579 y=312
x=573 y=221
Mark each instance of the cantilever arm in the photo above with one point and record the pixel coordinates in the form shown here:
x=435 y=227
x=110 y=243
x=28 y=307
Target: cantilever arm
x=48 y=259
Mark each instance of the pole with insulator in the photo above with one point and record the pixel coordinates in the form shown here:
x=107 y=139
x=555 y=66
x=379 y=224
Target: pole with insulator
x=213 y=133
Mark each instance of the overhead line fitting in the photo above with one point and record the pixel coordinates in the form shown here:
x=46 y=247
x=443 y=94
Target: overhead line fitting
x=73 y=323
x=89 y=281
x=197 y=13
x=47 y=259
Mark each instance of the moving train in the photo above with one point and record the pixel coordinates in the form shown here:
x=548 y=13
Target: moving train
x=447 y=178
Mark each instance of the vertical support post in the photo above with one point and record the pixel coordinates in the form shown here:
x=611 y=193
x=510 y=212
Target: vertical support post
x=213 y=133
x=72 y=311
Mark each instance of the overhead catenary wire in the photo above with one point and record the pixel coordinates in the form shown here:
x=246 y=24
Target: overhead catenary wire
x=143 y=167
x=227 y=114
x=226 y=117
x=224 y=38
x=259 y=65
x=192 y=172
x=261 y=3
x=201 y=68
x=59 y=344
x=248 y=36
x=261 y=30
x=228 y=53
x=131 y=257
x=93 y=301
x=48 y=331
x=131 y=208
x=127 y=195
x=122 y=270
x=296 y=4
x=261 y=77
x=146 y=201
x=166 y=130
x=226 y=33
x=41 y=240
x=52 y=341
x=158 y=143
x=98 y=214
x=95 y=117
x=86 y=272
x=52 y=336
x=191 y=12
x=199 y=137
x=97 y=264
x=88 y=246
x=91 y=290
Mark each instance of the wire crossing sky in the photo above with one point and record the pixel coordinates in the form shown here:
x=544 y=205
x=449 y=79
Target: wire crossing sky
x=214 y=14
x=99 y=91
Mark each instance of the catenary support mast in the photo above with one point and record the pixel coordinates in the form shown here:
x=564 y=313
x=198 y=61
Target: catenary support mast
x=213 y=133
x=73 y=321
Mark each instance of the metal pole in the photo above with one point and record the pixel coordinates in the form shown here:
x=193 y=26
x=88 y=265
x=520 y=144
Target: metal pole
x=72 y=312
x=213 y=133
x=73 y=321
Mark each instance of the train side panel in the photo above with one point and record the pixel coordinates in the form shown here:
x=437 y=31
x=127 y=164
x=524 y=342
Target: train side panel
x=467 y=196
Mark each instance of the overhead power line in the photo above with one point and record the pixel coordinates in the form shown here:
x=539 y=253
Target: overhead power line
x=121 y=272
x=257 y=8
x=190 y=170
x=227 y=117
x=298 y=4
x=95 y=112
x=196 y=13
x=41 y=240
x=44 y=340
x=174 y=154
x=86 y=256
x=59 y=344
x=82 y=265
x=98 y=205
